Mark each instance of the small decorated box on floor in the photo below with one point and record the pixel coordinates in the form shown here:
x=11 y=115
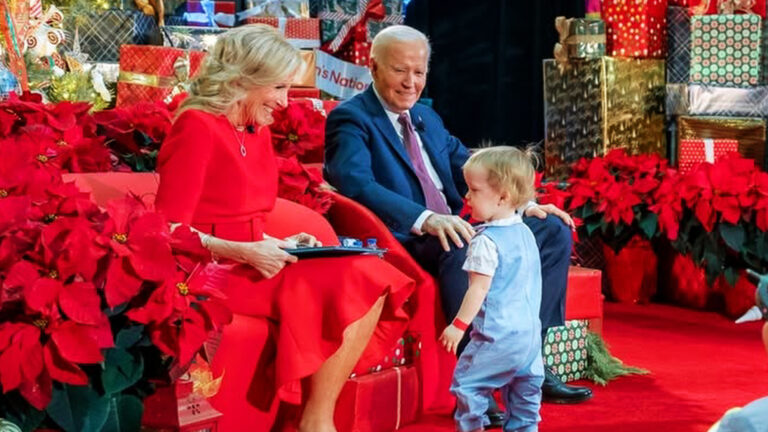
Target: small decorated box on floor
x=300 y=32
x=696 y=151
x=678 y=45
x=154 y=73
x=565 y=350
x=749 y=132
x=595 y=105
x=380 y=402
x=408 y=348
x=208 y=13
x=102 y=33
x=580 y=37
x=728 y=101
x=725 y=50
x=636 y=28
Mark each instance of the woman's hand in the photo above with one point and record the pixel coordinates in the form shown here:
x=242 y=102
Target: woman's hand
x=303 y=240
x=267 y=256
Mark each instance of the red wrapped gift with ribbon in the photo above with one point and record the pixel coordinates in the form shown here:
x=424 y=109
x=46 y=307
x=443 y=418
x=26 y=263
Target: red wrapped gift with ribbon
x=300 y=32
x=351 y=42
x=380 y=402
x=154 y=73
x=635 y=28
x=695 y=151
x=724 y=7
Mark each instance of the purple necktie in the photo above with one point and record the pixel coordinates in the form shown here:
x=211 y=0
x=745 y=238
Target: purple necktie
x=432 y=196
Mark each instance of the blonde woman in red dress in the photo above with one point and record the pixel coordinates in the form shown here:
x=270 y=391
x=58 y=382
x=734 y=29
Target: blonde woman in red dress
x=218 y=174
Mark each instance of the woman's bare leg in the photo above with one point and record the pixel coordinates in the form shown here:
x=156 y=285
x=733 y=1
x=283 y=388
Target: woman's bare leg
x=326 y=383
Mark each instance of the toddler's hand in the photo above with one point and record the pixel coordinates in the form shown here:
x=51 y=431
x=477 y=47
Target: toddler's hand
x=450 y=338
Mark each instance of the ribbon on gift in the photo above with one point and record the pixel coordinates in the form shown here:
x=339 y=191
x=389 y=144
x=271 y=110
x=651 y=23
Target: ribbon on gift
x=178 y=82
x=729 y=7
x=274 y=8
x=209 y=17
x=709 y=150
x=399 y=373
x=563 y=26
x=354 y=25
x=8 y=29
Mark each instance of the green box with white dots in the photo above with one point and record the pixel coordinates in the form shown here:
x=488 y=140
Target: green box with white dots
x=565 y=350
x=725 y=50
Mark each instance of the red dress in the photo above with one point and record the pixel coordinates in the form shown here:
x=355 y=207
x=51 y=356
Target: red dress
x=206 y=182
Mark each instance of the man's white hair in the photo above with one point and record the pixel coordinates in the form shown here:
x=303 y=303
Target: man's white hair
x=397 y=33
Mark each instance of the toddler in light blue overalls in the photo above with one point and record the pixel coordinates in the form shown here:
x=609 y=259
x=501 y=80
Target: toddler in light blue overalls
x=503 y=298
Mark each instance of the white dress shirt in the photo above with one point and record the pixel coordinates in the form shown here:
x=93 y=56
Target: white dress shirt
x=393 y=116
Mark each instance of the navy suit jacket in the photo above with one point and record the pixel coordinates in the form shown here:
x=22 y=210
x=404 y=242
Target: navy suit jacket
x=366 y=160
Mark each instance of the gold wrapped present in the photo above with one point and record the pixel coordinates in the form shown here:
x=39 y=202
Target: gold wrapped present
x=596 y=105
x=749 y=132
x=305 y=77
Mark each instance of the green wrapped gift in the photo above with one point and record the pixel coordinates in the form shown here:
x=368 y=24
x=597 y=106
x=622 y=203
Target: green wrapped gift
x=725 y=50
x=565 y=350
x=581 y=37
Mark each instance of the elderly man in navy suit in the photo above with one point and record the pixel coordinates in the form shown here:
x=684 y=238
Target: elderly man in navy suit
x=395 y=157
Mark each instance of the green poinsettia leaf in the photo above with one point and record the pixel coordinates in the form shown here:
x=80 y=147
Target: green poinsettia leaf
x=78 y=408
x=121 y=370
x=125 y=413
x=732 y=235
x=19 y=412
x=649 y=224
x=731 y=275
x=129 y=337
x=593 y=226
x=713 y=266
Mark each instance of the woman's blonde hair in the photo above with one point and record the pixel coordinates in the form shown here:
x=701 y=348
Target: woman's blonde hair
x=510 y=171
x=242 y=59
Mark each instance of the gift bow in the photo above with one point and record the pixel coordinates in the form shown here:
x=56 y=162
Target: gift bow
x=265 y=9
x=563 y=26
x=729 y=7
x=355 y=26
x=179 y=80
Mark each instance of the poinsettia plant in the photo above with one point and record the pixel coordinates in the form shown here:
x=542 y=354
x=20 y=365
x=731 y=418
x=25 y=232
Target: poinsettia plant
x=93 y=303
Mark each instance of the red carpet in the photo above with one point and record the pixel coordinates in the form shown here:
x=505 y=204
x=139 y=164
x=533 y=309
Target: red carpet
x=701 y=364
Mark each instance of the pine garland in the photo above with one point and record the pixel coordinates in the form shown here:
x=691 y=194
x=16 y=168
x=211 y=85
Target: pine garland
x=604 y=367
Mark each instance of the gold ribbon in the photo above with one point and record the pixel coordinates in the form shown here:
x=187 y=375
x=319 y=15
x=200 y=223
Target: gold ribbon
x=181 y=72
x=729 y=7
x=563 y=26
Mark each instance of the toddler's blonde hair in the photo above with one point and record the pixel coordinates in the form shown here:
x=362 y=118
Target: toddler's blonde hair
x=510 y=171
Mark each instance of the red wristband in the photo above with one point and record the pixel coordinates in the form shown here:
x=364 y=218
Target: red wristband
x=459 y=324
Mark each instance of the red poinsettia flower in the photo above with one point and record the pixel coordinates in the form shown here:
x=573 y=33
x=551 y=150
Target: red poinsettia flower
x=589 y=180
x=668 y=204
x=617 y=203
x=140 y=240
x=760 y=194
x=297 y=129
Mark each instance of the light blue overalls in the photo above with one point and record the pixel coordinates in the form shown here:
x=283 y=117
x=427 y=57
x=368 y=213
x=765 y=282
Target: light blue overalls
x=505 y=347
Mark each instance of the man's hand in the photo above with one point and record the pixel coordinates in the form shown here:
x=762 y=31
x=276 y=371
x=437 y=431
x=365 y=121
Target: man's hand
x=541 y=212
x=450 y=338
x=448 y=226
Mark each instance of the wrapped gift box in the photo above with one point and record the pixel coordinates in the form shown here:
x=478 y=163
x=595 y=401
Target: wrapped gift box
x=408 y=348
x=677 y=99
x=191 y=37
x=306 y=75
x=678 y=45
x=723 y=7
x=380 y=402
x=301 y=92
x=636 y=28
x=728 y=101
x=594 y=105
x=336 y=15
x=300 y=32
x=356 y=52
x=153 y=73
x=696 y=151
x=749 y=132
x=565 y=350
x=273 y=8
x=725 y=50
x=101 y=33
x=582 y=38
x=219 y=13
